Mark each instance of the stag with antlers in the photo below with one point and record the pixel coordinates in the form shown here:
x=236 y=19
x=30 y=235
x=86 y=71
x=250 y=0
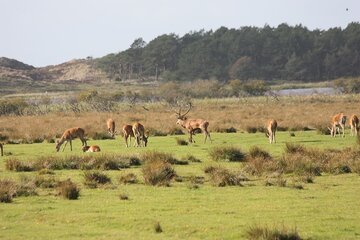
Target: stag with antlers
x=192 y=125
x=69 y=135
x=337 y=121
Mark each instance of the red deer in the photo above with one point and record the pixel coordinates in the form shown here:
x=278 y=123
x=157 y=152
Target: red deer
x=354 y=125
x=139 y=133
x=93 y=148
x=193 y=125
x=128 y=132
x=2 y=149
x=337 y=121
x=271 y=130
x=111 y=127
x=69 y=135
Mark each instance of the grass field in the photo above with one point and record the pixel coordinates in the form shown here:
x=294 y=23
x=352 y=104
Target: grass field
x=326 y=209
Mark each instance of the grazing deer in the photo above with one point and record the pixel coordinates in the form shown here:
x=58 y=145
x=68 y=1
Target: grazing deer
x=111 y=127
x=128 y=132
x=2 y=149
x=271 y=130
x=139 y=133
x=193 y=125
x=354 y=125
x=93 y=148
x=337 y=121
x=69 y=135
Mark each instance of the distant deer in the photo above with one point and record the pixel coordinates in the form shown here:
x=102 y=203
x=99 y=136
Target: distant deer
x=354 y=125
x=271 y=130
x=337 y=121
x=128 y=132
x=193 y=125
x=139 y=133
x=93 y=148
x=69 y=135
x=111 y=127
x=2 y=149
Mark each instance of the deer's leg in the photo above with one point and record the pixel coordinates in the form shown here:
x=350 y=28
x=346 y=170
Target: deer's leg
x=126 y=140
x=70 y=145
x=1 y=149
x=274 y=140
x=65 y=145
x=343 y=130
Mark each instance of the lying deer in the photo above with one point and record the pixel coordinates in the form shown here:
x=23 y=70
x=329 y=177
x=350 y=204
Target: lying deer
x=69 y=135
x=193 y=125
x=111 y=127
x=271 y=130
x=128 y=132
x=93 y=148
x=139 y=133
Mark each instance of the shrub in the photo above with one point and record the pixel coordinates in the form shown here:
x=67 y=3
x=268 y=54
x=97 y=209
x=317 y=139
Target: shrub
x=157 y=227
x=166 y=157
x=294 y=148
x=68 y=189
x=176 y=131
x=101 y=136
x=231 y=154
x=7 y=190
x=94 y=178
x=266 y=233
x=129 y=178
x=158 y=173
x=277 y=181
x=181 y=142
x=45 y=182
x=259 y=165
x=251 y=129
x=191 y=158
x=123 y=196
x=13 y=164
x=26 y=187
x=256 y=152
x=221 y=177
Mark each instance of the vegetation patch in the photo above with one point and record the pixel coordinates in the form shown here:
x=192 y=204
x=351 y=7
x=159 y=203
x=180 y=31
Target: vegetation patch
x=162 y=156
x=68 y=190
x=158 y=172
x=93 y=179
x=267 y=233
x=7 y=190
x=129 y=178
x=221 y=177
x=231 y=154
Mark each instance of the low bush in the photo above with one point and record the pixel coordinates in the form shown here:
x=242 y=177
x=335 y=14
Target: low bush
x=176 y=131
x=68 y=189
x=191 y=158
x=231 y=154
x=221 y=177
x=26 y=187
x=93 y=179
x=129 y=178
x=13 y=164
x=162 y=156
x=157 y=227
x=123 y=196
x=257 y=152
x=7 y=190
x=181 y=142
x=266 y=233
x=158 y=172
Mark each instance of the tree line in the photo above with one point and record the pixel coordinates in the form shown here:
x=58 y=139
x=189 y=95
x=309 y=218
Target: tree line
x=267 y=53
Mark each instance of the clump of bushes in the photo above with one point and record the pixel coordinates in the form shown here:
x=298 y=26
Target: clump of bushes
x=93 y=179
x=158 y=172
x=231 y=154
x=266 y=233
x=181 y=142
x=161 y=156
x=7 y=190
x=221 y=177
x=123 y=196
x=257 y=152
x=13 y=164
x=129 y=178
x=68 y=189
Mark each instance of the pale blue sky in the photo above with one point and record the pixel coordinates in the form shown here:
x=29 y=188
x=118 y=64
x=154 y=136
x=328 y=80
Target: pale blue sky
x=46 y=32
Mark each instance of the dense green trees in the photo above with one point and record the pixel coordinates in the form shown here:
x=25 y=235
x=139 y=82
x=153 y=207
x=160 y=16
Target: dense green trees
x=267 y=53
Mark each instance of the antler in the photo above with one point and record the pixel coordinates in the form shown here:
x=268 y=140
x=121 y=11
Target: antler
x=190 y=106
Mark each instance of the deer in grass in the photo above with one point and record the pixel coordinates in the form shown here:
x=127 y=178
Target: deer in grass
x=338 y=121
x=2 y=149
x=193 y=125
x=128 y=132
x=111 y=127
x=271 y=130
x=139 y=133
x=354 y=125
x=69 y=135
x=93 y=148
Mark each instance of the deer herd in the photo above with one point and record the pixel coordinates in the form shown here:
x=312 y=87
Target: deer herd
x=137 y=131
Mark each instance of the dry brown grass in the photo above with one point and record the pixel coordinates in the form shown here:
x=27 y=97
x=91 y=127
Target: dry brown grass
x=290 y=112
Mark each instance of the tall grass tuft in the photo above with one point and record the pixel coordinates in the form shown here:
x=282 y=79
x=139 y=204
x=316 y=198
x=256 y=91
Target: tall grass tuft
x=266 y=233
x=7 y=190
x=231 y=154
x=68 y=189
x=129 y=178
x=158 y=172
x=221 y=177
x=93 y=179
x=161 y=156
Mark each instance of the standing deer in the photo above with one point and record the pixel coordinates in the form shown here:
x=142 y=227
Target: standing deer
x=93 y=148
x=354 y=125
x=69 y=135
x=111 y=127
x=337 y=121
x=139 y=133
x=2 y=149
x=271 y=130
x=192 y=125
x=128 y=132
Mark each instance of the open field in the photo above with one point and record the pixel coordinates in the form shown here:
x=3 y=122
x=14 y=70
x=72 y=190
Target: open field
x=325 y=209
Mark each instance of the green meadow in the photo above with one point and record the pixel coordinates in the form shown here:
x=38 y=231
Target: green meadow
x=328 y=208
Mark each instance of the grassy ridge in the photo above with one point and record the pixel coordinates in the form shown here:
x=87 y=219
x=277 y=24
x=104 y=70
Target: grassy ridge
x=326 y=209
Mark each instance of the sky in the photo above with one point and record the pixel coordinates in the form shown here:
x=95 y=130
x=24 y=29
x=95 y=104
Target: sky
x=49 y=32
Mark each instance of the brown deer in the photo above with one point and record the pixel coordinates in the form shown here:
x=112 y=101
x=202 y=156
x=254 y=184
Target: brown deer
x=69 y=135
x=271 y=130
x=2 y=149
x=338 y=121
x=193 y=125
x=93 y=148
x=354 y=125
x=128 y=132
x=111 y=127
x=139 y=133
